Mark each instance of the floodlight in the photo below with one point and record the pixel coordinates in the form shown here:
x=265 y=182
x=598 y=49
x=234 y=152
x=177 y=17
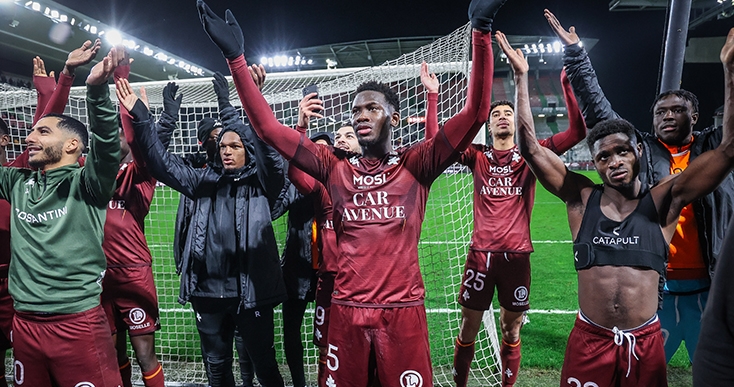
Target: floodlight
x=113 y=37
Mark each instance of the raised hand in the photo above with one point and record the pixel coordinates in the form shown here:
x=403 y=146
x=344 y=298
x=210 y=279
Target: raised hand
x=171 y=103
x=144 y=97
x=82 y=55
x=429 y=80
x=481 y=13
x=567 y=37
x=106 y=67
x=125 y=94
x=39 y=68
x=516 y=58
x=727 y=52
x=257 y=72
x=308 y=108
x=226 y=34
x=221 y=89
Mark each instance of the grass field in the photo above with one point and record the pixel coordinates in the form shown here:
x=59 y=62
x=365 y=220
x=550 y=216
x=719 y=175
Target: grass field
x=444 y=240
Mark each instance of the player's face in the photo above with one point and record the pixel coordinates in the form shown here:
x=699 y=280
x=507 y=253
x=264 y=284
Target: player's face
x=346 y=140
x=617 y=159
x=232 y=151
x=502 y=121
x=46 y=143
x=673 y=120
x=373 y=118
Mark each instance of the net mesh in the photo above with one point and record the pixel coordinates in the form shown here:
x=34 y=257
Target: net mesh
x=446 y=230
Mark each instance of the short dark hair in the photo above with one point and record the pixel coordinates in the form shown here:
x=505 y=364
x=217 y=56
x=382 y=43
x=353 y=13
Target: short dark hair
x=4 y=129
x=502 y=102
x=390 y=95
x=608 y=127
x=685 y=94
x=72 y=125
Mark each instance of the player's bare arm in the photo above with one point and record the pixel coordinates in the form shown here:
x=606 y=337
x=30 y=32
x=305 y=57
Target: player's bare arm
x=546 y=165
x=706 y=172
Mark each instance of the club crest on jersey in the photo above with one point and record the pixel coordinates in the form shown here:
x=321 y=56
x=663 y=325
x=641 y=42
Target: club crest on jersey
x=393 y=160
x=354 y=160
x=489 y=155
x=516 y=156
x=29 y=184
x=411 y=378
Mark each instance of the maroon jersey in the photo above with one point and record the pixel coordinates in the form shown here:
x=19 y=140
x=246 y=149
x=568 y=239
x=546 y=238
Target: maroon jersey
x=124 y=238
x=504 y=193
x=378 y=209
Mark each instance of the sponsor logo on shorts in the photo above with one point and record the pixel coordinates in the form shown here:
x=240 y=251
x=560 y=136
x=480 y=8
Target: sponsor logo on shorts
x=84 y=384
x=411 y=378
x=137 y=315
x=521 y=294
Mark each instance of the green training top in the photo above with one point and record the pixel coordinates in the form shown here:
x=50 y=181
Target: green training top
x=57 y=221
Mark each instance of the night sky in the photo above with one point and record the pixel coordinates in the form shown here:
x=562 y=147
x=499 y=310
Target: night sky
x=626 y=59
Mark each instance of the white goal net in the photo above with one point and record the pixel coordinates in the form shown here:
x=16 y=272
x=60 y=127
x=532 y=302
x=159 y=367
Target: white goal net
x=446 y=230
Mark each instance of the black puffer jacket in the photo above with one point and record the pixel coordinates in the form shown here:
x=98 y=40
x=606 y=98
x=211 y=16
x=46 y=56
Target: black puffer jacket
x=254 y=190
x=712 y=211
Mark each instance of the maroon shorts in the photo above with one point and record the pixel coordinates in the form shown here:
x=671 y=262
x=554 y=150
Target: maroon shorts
x=510 y=272
x=129 y=299
x=395 y=340
x=597 y=355
x=6 y=315
x=64 y=350
x=323 y=308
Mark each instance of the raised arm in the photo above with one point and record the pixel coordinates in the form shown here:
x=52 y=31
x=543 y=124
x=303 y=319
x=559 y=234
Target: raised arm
x=169 y=169
x=79 y=57
x=576 y=132
x=227 y=35
x=45 y=84
x=430 y=83
x=546 y=165
x=103 y=157
x=594 y=104
x=708 y=170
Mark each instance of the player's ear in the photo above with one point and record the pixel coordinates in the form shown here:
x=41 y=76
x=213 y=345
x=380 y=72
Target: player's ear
x=639 y=149
x=395 y=119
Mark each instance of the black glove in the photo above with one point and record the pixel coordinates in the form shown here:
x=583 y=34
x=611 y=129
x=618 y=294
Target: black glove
x=221 y=88
x=481 y=13
x=226 y=34
x=171 y=103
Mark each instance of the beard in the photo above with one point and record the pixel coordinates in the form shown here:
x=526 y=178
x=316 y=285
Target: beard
x=49 y=155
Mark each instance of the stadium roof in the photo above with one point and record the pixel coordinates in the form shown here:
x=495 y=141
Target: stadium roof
x=701 y=10
x=50 y=30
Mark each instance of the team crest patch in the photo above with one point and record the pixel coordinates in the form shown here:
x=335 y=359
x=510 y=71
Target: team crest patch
x=521 y=293
x=411 y=378
x=136 y=315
